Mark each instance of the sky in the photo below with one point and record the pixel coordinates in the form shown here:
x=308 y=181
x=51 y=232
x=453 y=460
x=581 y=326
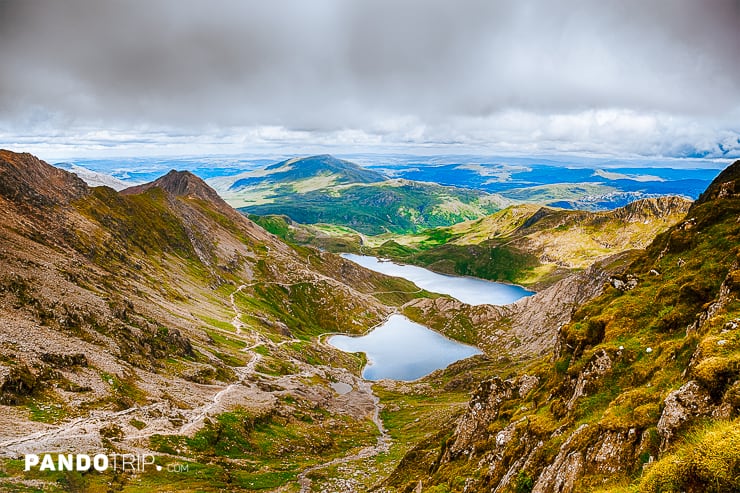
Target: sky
x=624 y=78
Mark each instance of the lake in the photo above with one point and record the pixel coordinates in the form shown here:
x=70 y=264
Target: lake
x=400 y=349
x=466 y=289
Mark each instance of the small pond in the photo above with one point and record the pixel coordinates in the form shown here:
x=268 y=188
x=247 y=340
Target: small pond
x=400 y=349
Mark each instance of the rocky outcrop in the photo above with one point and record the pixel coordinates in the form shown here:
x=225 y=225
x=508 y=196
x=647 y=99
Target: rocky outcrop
x=16 y=384
x=682 y=406
x=482 y=410
x=590 y=450
x=180 y=184
x=588 y=379
x=649 y=209
x=26 y=179
x=561 y=475
x=726 y=185
x=522 y=329
x=627 y=282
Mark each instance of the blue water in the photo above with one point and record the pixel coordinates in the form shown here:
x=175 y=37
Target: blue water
x=466 y=289
x=400 y=349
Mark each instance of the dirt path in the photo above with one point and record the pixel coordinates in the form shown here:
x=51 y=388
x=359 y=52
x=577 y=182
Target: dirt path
x=381 y=445
x=87 y=428
x=200 y=414
x=236 y=321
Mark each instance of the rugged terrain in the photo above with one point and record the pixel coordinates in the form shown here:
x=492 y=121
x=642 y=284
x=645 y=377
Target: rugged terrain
x=526 y=244
x=536 y=246
x=160 y=320
x=160 y=316
x=640 y=392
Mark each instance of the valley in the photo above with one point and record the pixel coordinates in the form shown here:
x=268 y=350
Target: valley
x=159 y=320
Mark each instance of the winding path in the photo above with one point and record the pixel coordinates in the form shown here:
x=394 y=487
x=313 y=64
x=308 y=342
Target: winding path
x=381 y=446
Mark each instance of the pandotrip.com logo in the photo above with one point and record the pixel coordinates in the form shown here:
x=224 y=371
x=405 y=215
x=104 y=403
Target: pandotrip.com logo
x=136 y=463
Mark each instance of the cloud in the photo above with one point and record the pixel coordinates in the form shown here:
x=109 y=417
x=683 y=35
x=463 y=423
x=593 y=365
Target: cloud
x=644 y=77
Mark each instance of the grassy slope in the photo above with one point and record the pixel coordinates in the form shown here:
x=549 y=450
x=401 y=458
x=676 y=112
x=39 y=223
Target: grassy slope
x=691 y=261
x=524 y=244
x=141 y=258
x=531 y=245
x=398 y=206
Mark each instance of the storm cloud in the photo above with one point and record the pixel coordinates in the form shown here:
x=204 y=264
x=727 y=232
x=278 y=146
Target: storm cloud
x=614 y=77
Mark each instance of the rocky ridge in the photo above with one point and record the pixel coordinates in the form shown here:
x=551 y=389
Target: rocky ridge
x=652 y=358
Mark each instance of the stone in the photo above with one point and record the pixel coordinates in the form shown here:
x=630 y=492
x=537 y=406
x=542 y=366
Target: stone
x=526 y=384
x=681 y=406
x=599 y=365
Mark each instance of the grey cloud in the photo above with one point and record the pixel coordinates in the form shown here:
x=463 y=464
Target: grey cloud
x=329 y=65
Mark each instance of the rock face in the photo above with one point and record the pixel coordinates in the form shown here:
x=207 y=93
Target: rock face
x=482 y=410
x=568 y=466
x=588 y=379
x=681 y=406
x=180 y=184
x=652 y=208
x=26 y=179
x=527 y=327
x=726 y=185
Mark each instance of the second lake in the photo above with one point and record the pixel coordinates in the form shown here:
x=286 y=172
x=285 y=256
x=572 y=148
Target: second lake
x=466 y=289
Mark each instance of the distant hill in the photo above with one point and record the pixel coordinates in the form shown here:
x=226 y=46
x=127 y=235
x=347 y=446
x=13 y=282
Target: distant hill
x=535 y=245
x=326 y=167
x=323 y=189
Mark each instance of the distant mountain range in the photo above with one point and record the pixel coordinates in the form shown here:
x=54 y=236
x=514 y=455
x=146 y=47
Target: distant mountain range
x=402 y=194
x=323 y=189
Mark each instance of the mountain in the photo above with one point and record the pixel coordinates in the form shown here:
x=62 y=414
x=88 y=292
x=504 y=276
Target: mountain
x=327 y=167
x=182 y=184
x=640 y=392
x=322 y=189
x=160 y=319
x=26 y=180
x=534 y=245
x=94 y=178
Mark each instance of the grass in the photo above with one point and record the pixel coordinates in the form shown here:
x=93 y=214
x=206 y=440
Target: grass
x=219 y=324
x=224 y=340
x=46 y=412
x=707 y=460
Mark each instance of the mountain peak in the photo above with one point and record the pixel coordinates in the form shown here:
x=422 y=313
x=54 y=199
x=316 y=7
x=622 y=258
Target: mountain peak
x=179 y=184
x=26 y=178
x=727 y=184
x=304 y=168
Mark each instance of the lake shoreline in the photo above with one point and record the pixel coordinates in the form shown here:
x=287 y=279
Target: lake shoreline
x=470 y=290
x=403 y=350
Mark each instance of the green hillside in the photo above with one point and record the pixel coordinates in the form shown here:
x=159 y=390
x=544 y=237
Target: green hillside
x=323 y=189
x=397 y=206
x=640 y=393
x=533 y=245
